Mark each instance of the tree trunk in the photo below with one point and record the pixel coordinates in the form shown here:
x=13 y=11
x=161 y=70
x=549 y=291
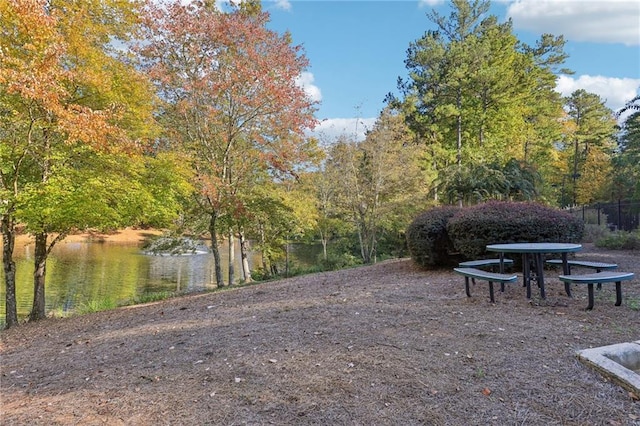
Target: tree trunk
x=373 y=248
x=215 y=250
x=244 y=254
x=364 y=247
x=266 y=266
x=39 y=276
x=8 y=244
x=574 y=176
x=232 y=258
x=286 y=258
x=323 y=240
x=459 y=138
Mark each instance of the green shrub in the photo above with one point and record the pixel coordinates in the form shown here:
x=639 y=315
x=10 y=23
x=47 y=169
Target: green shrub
x=494 y=222
x=593 y=233
x=620 y=240
x=427 y=239
x=336 y=261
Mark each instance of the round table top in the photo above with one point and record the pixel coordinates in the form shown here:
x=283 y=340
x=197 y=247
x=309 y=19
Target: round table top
x=535 y=247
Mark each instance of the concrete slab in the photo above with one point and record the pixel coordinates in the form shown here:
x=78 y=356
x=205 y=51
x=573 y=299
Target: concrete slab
x=619 y=362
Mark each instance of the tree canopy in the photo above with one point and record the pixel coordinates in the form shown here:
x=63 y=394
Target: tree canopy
x=75 y=120
x=230 y=102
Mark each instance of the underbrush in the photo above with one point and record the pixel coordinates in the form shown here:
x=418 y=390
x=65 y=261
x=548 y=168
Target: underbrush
x=620 y=240
x=593 y=232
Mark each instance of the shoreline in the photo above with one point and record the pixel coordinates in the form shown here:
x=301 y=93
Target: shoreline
x=125 y=235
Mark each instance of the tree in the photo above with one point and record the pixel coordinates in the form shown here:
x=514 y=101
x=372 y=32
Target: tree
x=626 y=172
x=72 y=110
x=323 y=183
x=440 y=65
x=380 y=180
x=632 y=105
x=230 y=94
x=476 y=95
x=541 y=107
x=589 y=143
x=30 y=45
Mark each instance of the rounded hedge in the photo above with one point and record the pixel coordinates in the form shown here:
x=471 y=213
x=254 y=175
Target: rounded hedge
x=428 y=242
x=495 y=222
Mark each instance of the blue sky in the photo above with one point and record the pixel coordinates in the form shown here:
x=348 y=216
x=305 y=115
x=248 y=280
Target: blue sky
x=357 y=48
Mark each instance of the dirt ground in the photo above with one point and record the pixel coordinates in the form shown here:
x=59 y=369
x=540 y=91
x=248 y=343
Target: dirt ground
x=127 y=235
x=387 y=344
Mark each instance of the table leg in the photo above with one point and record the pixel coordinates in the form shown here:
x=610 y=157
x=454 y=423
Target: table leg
x=590 y=293
x=566 y=270
x=502 y=270
x=618 y=293
x=540 y=273
x=526 y=273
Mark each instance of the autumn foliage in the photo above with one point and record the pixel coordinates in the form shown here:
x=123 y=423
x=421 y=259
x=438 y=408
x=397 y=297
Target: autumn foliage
x=231 y=102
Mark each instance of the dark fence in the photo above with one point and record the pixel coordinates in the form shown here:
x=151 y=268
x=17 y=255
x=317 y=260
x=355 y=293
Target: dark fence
x=619 y=215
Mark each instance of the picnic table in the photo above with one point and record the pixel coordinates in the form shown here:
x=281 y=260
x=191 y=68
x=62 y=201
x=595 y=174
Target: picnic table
x=533 y=260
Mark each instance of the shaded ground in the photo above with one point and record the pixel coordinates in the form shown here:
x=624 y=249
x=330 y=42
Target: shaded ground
x=381 y=345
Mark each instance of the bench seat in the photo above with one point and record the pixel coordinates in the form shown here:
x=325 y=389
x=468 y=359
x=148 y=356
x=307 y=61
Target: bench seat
x=598 y=266
x=491 y=277
x=484 y=262
x=600 y=278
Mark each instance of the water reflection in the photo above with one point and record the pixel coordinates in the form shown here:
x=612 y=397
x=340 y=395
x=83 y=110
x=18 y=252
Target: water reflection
x=81 y=273
x=188 y=272
x=111 y=273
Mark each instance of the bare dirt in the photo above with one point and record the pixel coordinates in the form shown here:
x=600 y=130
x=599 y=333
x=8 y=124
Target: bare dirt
x=387 y=344
x=122 y=236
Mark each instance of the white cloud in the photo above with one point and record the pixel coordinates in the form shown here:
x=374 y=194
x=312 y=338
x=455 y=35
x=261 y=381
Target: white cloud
x=430 y=3
x=614 y=91
x=331 y=129
x=602 y=21
x=305 y=80
x=282 y=4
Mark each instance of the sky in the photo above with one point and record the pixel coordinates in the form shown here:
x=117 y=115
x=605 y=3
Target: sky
x=357 y=48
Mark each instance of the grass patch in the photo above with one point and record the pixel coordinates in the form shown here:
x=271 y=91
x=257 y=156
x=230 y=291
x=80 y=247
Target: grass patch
x=95 y=306
x=633 y=303
x=152 y=297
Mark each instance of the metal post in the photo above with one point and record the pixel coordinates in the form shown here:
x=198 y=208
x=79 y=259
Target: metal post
x=620 y=227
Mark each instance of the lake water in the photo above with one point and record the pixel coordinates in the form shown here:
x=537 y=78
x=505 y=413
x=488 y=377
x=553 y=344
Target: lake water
x=108 y=274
